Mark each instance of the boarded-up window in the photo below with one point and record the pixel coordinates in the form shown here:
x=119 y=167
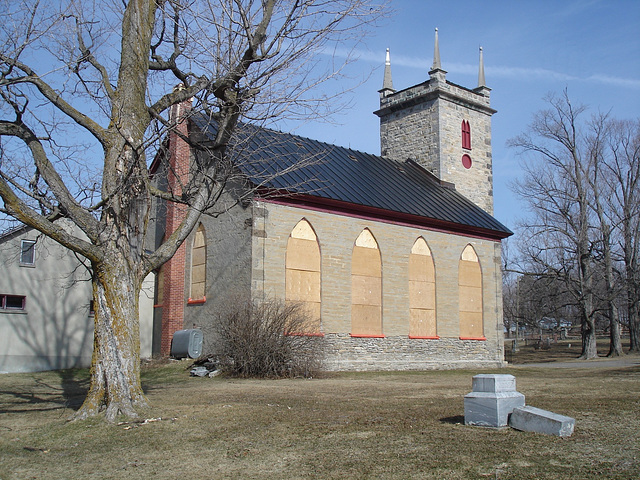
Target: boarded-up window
x=470 y=291
x=198 y=265
x=303 y=273
x=422 y=292
x=366 y=287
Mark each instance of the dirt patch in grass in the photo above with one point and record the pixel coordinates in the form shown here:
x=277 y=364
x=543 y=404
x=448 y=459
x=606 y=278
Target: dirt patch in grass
x=369 y=425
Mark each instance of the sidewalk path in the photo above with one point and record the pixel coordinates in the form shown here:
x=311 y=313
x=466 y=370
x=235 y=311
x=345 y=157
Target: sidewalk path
x=601 y=362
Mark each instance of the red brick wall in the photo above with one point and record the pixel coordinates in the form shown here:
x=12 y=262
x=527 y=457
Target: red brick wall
x=173 y=303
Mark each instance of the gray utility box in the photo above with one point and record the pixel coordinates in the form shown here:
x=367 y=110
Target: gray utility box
x=187 y=343
x=493 y=399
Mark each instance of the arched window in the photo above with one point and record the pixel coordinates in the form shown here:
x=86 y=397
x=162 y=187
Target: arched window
x=466 y=135
x=422 y=292
x=366 y=287
x=302 y=273
x=470 y=295
x=198 y=266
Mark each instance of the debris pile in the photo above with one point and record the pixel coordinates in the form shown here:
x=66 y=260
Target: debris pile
x=205 y=367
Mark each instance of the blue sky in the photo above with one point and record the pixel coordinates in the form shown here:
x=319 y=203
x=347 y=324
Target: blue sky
x=531 y=48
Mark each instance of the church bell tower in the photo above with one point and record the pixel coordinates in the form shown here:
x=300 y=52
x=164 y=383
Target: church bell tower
x=442 y=126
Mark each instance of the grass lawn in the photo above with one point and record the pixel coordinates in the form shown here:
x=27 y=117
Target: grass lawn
x=355 y=426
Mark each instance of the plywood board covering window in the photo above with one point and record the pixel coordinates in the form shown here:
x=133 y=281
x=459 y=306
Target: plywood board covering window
x=422 y=292
x=366 y=287
x=302 y=273
x=470 y=295
x=198 y=265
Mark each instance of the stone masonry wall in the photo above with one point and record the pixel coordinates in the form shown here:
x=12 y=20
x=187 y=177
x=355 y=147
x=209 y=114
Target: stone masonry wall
x=273 y=224
x=228 y=267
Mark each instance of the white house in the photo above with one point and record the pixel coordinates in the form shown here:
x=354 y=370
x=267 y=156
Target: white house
x=46 y=318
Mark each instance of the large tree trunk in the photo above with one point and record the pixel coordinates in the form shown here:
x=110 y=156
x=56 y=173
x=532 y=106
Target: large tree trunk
x=589 y=348
x=615 y=345
x=634 y=321
x=115 y=371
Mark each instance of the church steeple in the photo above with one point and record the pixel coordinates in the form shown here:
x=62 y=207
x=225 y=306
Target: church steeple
x=481 y=81
x=482 y=88
x=436 y=54
x=444 y=127
x=387 y=83
x=436 y=73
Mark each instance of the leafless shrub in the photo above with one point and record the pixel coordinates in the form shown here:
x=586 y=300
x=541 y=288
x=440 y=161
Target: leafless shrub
x=266 y=339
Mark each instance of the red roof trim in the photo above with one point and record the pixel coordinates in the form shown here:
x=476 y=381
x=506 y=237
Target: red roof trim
x=364 y=212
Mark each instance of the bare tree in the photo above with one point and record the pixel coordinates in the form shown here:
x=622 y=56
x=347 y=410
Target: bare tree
x=557 y=239
x=582 y=188
x=600 y=190
x=84 y=88
x=622 y=174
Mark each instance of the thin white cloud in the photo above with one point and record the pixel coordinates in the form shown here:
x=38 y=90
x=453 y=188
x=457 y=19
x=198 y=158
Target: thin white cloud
x=492 y=71
x=529 y=73
x=615 y=81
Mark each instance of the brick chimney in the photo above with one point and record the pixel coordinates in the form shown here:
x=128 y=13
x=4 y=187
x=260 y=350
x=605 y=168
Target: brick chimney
x=173 y=272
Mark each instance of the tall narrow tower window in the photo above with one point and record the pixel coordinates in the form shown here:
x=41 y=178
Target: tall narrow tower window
x=466 y=135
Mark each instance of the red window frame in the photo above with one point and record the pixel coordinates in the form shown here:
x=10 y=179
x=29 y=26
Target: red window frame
x=22 y=299
x=466 y=135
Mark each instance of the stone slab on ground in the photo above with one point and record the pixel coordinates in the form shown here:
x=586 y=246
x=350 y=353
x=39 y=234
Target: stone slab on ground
x=532 y=419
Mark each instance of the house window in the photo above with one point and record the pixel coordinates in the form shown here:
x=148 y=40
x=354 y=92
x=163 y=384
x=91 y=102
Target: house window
x=27 y=252
x=422 y=292
x=466 y=161
x=466 y=135
x=302 y=273
x=366 y=287
x=470 y=295
x=13 y=302
x=198 y=266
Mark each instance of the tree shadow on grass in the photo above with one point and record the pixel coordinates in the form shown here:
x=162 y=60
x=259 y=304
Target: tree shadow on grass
x=46 y=393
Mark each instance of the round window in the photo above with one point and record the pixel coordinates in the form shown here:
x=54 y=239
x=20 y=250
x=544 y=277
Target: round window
x=466 y=161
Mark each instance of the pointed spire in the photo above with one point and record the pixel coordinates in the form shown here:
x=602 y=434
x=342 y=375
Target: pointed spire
x=436 y=54
x=387 y=83
x=481 y=81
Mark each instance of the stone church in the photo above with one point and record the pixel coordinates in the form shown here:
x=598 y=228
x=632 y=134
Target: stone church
x=397 y=256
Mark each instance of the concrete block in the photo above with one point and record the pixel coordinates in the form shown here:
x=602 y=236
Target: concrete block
x=486 y=382
x=489 y=409
x=532 y=419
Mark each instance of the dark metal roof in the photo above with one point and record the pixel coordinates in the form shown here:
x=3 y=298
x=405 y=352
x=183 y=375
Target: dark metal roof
x=319 y=171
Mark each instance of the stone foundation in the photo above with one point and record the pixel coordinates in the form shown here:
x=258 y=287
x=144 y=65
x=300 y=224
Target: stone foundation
x=346 y=353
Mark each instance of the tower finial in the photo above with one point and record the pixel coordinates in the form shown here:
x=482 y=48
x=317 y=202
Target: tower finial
x=436 y=54
x=387 y=83
x=481 y=81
